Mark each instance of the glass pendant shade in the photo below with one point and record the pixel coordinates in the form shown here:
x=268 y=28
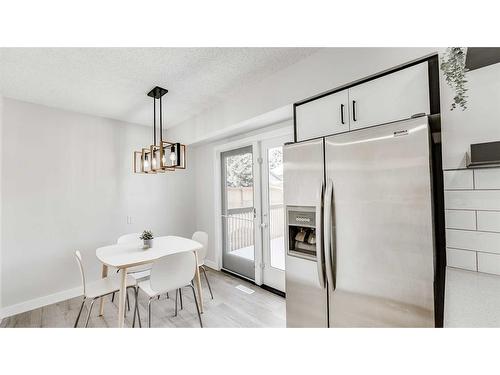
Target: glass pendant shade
x=175 y=155
x=156 y=164
x=165 y=164
x=146 y=161
x=138 y=163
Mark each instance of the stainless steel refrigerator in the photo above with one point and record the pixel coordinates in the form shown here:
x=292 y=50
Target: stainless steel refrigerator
x=359 y=233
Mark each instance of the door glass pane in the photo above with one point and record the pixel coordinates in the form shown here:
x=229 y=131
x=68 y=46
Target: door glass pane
x=238 y=211
x=276 y=214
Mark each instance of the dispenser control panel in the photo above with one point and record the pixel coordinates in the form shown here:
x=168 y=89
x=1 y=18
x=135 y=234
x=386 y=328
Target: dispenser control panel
x=301 y=232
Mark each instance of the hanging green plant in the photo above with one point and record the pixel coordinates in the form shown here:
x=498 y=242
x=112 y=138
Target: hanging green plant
x=453 y=67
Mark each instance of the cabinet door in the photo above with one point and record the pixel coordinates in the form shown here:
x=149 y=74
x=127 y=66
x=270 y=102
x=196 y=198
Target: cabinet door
x=393 y=97
x=324 y=116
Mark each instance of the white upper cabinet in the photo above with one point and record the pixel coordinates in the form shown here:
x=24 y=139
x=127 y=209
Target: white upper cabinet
x=324 y=116
x=392 y=97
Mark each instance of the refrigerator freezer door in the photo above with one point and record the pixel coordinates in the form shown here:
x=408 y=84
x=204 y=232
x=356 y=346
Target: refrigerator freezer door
x=306 y=295
x=382 y=228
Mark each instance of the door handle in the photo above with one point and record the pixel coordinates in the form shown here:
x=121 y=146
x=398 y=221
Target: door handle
x=327 y=230
x=342 y=114
x=354 y=110
x=319 y=239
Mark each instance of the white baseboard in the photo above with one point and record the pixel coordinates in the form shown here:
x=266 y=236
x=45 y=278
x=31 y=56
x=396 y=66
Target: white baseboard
x=211 y=264
x=39 y=302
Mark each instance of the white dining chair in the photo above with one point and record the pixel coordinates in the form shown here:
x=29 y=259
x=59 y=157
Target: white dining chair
x=169 y=273
x=138 y=273
x=202 y=238
x=98 y=289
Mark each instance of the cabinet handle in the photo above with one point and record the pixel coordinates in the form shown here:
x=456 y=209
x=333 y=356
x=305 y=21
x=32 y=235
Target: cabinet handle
x=354 y=110
x=342 y=114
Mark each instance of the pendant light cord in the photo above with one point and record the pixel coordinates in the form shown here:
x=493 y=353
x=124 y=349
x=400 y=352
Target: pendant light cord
x=154 y=121
x=161 y=124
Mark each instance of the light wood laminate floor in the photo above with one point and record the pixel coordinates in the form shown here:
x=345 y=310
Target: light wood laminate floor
x=230 y=307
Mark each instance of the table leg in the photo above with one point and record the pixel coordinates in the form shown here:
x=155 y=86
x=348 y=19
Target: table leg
x=197 y=281
x=122 y=297
x=101 y=303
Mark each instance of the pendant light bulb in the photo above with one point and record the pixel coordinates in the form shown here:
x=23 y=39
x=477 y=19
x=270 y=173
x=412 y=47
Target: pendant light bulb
x=173 y=156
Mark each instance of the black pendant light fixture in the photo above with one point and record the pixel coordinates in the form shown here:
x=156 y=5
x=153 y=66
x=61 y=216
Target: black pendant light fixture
x=163 y=155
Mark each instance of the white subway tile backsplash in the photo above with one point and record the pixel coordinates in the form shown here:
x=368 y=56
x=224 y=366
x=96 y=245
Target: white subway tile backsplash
x=488 y=263
x=473 y=240
x=488 y=178
x=472 y=203
x=472 y=200
x=457 y=219
x=488 y=221
x=461 y=259
x=459 y=179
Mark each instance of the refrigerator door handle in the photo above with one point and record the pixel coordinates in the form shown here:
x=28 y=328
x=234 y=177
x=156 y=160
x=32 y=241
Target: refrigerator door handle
x=320 y=260
x=327 y=233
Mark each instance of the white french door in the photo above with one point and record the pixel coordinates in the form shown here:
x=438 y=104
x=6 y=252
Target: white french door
x=238 y=211
x=251 y=212
x=273 y=216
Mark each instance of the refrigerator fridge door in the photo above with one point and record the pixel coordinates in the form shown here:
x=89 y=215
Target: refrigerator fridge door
x=306 y=295
x=378 y=208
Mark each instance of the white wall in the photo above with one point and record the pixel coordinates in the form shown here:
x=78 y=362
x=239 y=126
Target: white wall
x=67 y=184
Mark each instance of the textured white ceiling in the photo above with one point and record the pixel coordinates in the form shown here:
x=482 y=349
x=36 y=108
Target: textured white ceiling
x=113 y=82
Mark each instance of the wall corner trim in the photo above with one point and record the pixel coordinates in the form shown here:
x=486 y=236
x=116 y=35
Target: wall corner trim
x=211 y=264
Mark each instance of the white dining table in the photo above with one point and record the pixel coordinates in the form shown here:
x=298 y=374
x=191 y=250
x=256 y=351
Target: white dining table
x=124 y=256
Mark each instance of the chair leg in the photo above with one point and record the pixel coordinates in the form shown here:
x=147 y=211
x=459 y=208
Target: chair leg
x=79 y=313
x=113 y=297
x=197 y=307
x=206 y=278
x=90 y=310
x=180 y=296
x=167 y=296
x=176 y=293
x=149 y=312
x=136 y=308
x=128 y=302
x=138 y=312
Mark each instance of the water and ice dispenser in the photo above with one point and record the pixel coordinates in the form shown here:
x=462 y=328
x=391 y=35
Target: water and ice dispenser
x=301 y=228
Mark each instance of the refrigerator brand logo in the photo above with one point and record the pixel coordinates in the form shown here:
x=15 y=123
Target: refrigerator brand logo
x=400 y=133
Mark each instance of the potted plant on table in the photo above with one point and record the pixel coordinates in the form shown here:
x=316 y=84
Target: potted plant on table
x=147 y=237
